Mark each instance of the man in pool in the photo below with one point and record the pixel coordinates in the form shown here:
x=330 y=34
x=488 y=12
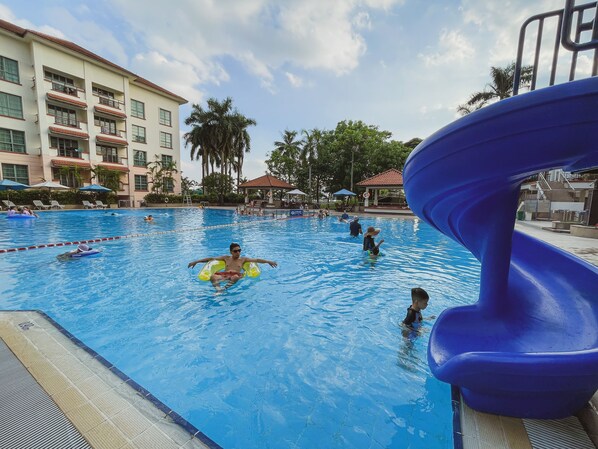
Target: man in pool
x=233 y=270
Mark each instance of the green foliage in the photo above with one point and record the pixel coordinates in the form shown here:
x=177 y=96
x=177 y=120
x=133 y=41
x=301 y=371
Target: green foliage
x=107 y=178
x=64 y=197
x=161 y=175
x=218 y=186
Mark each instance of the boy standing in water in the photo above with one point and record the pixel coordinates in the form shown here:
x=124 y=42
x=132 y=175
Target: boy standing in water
x=419 y=301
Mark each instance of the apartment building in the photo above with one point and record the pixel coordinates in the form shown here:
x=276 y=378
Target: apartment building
x=70 y=116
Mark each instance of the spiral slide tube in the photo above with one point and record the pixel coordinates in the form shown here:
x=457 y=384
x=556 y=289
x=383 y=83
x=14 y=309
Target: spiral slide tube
x=529 y=346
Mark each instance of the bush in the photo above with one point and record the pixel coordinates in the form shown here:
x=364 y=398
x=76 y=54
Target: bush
x=68 y=197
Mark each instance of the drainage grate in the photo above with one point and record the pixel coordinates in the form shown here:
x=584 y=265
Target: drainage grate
x=29 y=419
x=557 y=434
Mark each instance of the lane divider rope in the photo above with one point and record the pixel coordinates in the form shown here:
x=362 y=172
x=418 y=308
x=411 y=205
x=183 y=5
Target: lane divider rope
x=120 y=237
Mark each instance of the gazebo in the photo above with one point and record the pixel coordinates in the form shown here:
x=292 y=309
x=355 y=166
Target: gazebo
x=266 y=182
x=390 y=179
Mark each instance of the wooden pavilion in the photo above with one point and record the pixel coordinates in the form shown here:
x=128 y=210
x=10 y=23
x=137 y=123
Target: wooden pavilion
x=266 y=182
x=389 y=180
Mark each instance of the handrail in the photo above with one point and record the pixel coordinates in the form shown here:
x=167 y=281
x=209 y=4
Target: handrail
x=562 y=37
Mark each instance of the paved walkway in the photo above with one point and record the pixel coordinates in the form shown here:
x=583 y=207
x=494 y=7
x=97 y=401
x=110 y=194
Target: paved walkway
x=583 y=247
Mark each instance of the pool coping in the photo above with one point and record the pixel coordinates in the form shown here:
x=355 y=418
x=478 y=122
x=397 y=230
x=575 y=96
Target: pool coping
x=45 y=348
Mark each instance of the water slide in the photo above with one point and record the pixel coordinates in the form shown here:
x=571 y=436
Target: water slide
x=529 y=346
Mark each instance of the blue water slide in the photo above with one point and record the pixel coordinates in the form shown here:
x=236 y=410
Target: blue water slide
x=529 y=346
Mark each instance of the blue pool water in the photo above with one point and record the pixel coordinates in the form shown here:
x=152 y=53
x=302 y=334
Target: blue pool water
x=310 y=355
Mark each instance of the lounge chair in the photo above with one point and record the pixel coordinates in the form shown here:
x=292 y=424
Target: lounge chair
x=39 y=205
x=88 y=205
x=100 y=204
x=55 y=204
x=9 y=204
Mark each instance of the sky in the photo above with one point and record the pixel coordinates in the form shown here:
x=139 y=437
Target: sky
x=401 y=65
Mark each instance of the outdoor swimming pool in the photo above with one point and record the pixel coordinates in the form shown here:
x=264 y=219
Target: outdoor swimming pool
x=310 y=355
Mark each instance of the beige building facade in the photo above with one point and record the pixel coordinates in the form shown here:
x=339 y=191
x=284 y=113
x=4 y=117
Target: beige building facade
x=70 y=116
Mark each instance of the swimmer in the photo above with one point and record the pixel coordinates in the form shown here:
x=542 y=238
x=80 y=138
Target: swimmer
x=149 y=218
x=80 y=249
x=233 y=270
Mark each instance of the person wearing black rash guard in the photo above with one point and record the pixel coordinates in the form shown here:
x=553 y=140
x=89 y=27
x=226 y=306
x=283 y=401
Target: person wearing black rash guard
x=355 y=227
x=419 y=301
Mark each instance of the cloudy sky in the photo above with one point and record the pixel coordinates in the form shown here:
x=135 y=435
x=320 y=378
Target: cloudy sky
x=402 y=65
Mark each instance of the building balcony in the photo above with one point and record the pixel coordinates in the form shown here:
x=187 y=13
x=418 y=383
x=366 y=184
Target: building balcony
x=110 y=111
x=111 y=137
x=61 y=130
x=66 y=99
x=115 y=166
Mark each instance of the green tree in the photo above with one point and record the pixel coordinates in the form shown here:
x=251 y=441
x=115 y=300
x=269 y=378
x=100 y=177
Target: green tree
x=500 y=87
x=70 y=175
x=218 y=136
x=108 y=178
x=218 y=184
x=161 y=174
x=283 y=161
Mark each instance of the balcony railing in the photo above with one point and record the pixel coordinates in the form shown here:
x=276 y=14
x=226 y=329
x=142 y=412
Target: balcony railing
x=112 y=158
x=70 y=152
x=68 y=89
x=110 y=102
x=138 y=138
x=67 y=121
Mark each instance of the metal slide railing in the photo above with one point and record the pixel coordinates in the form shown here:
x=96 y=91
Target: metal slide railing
x=571 y=23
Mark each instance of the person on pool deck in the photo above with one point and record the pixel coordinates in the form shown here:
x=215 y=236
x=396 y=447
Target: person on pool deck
x=355 y=227
x=419 y=301
x=368 y=239
x=233 y=270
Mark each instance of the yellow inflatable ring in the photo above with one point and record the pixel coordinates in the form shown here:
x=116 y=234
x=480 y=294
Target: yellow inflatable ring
x=250 y=269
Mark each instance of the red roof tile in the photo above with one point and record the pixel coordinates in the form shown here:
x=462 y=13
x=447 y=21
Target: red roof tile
x=118 y=167
x=267 y=182
x=67 y=99
x=111 y=139
x=76 y=48
x=110 y=111
x=69 y=132
x=70 y=163
x=389 y=178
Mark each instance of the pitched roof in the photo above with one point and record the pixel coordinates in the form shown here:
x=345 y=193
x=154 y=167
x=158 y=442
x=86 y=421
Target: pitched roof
x=389 y=178
x=21 y=32
x=267 y=182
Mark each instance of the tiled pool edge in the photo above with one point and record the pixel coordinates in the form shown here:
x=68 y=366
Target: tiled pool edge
x=144 y=393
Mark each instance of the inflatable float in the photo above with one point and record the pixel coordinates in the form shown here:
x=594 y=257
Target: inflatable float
x=250 y=269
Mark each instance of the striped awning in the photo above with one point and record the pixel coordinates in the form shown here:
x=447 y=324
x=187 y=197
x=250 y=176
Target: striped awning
x=118 y=167
x=70 y=163
x=110 y=111
x=70 y=132
x=68 y=99
x=114 y=140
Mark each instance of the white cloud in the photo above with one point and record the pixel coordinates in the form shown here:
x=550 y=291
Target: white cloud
x=7 y=14
x=175 y=76
x=453 y=47
x=294 y=80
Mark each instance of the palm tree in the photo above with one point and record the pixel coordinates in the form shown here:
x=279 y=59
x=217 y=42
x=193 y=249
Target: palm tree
x=309 y=153
x=500 y=87
x=218 y=136
x=289 y=149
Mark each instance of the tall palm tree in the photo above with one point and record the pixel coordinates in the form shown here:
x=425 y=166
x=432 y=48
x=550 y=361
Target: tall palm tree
x=218 y=136
x=309 y=154
x=499 y=88
x=289 y=149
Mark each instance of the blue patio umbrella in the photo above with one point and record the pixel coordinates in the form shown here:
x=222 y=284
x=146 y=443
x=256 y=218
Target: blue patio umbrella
x=7 y=184
x=344 y=192
x=94 y=188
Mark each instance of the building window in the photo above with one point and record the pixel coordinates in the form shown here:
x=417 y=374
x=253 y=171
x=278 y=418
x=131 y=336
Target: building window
x=141 y=182
x=166 y=160
x=61 y=83
x=67 y=176
x=11 y=105
x=109 y=154
x=9 y=70
x=66 y=147
x=165 y=140
x=138 y=134
x=13 y=141
x=16 y=173
x=139 y=158
x=165 y=117
x=137 y=109
x=63 y=116
x=107 y=126
x=168 y=185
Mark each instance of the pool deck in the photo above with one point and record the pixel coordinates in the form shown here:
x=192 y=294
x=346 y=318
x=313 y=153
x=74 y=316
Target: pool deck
x=106 y=409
